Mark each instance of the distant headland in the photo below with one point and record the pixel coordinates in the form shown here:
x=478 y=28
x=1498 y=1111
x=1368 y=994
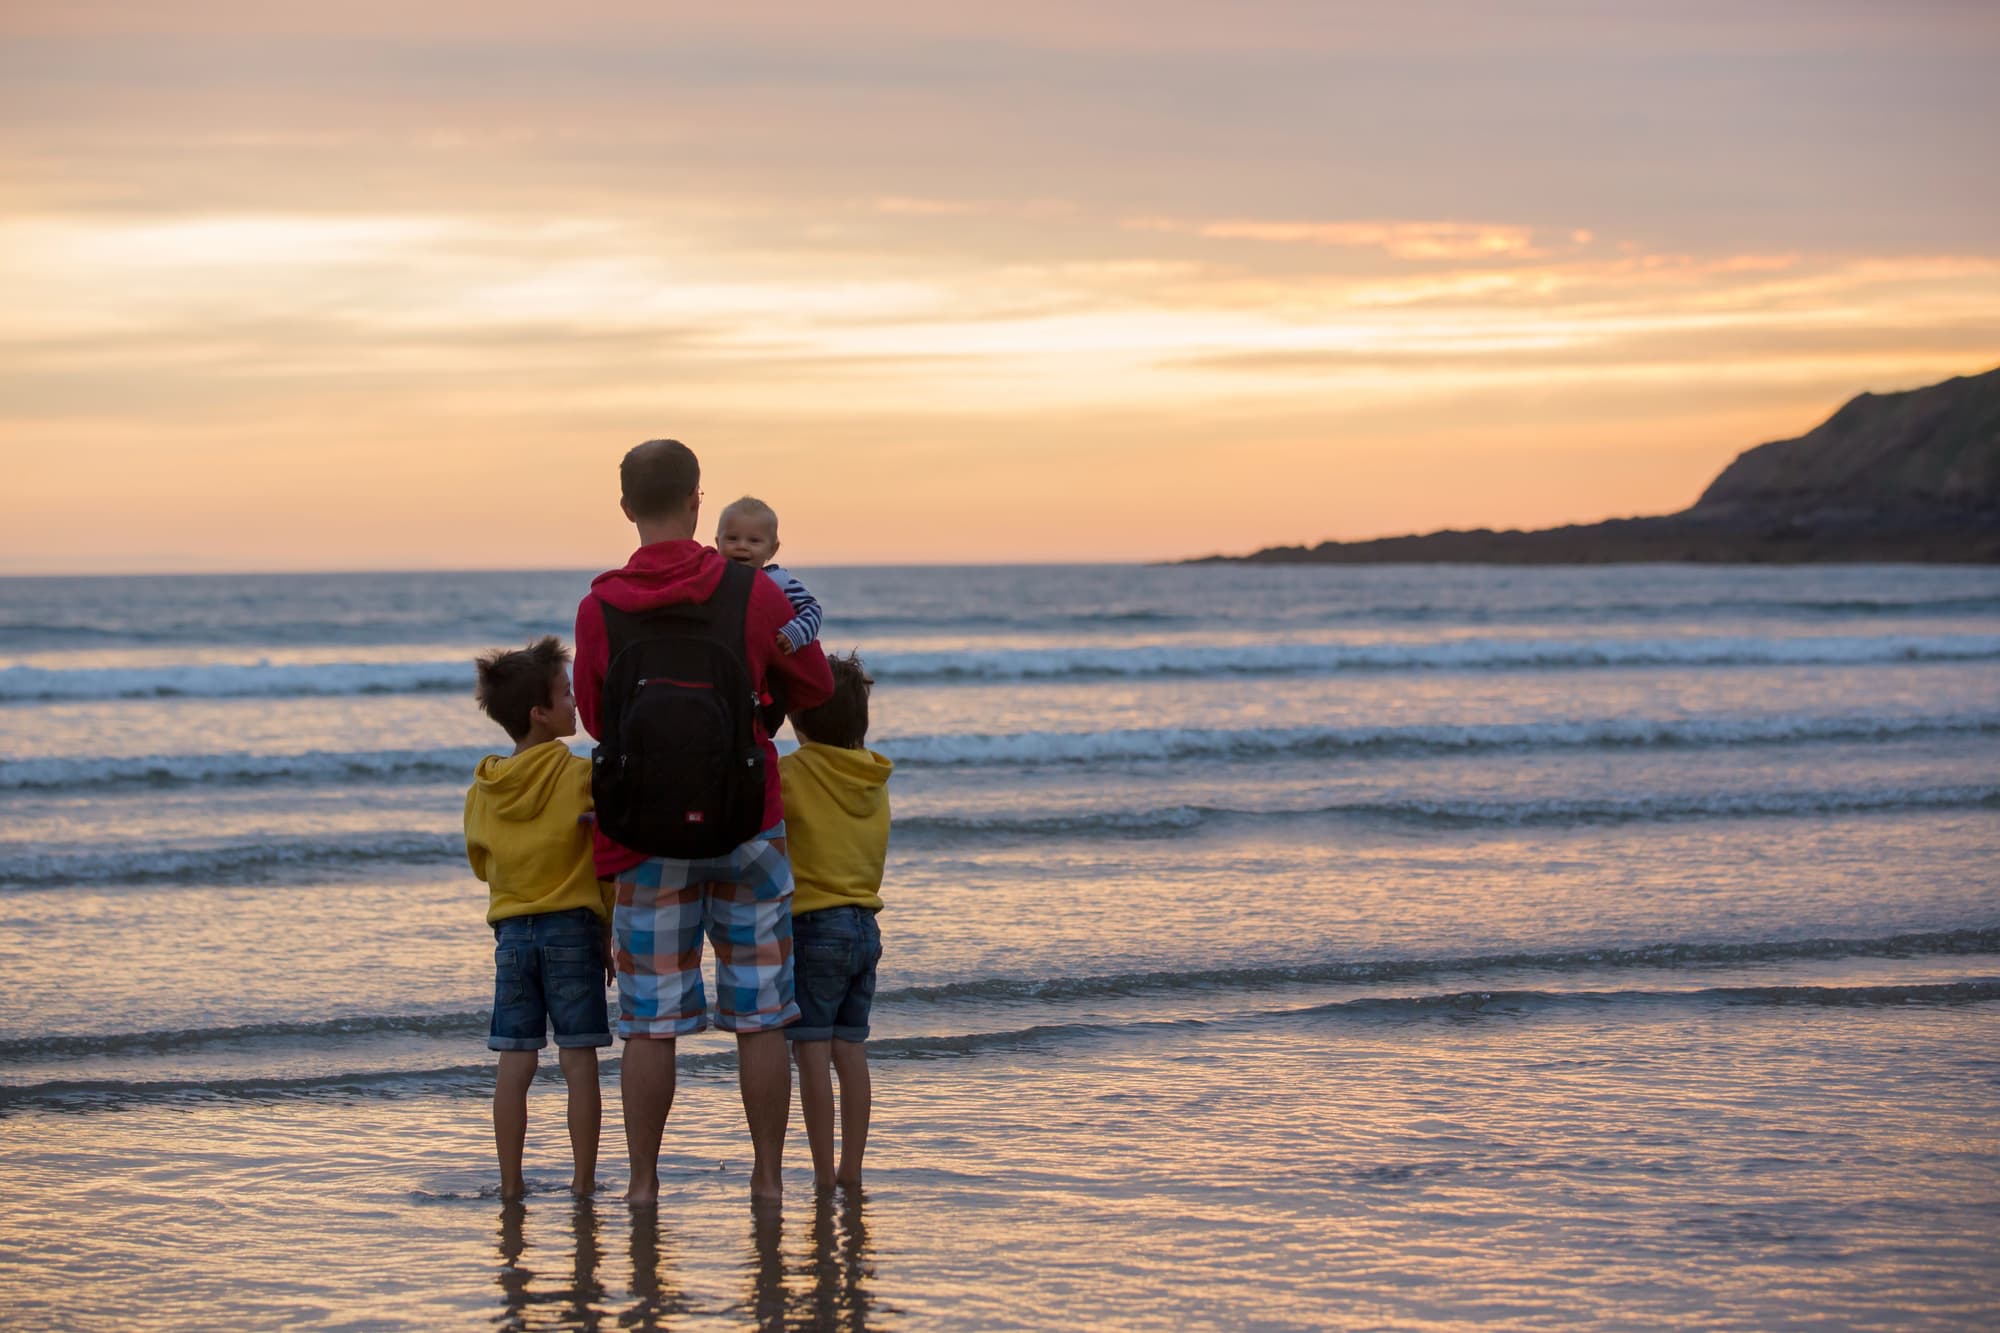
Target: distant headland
x=1909 y=476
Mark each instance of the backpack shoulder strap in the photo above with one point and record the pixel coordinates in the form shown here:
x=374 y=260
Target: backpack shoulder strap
x=722 y=615
x=729 y=610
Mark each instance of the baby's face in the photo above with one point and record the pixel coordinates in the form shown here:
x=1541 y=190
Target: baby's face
x=748 y=539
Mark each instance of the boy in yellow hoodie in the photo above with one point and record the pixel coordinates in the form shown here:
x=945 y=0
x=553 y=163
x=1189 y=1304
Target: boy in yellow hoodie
x=837 y=825
x=527 y=835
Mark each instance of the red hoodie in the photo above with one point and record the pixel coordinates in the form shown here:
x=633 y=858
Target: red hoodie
x=687 y=571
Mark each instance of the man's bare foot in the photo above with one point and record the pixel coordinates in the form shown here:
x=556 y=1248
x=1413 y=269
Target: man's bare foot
x=513 y=1189
x=852 y=1182
x=643 y=1195
x=823 y=1183
x=582 y=1189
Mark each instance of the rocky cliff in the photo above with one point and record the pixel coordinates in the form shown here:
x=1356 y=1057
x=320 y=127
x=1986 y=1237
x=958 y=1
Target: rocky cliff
x=1932 y=448
x=1889 y=477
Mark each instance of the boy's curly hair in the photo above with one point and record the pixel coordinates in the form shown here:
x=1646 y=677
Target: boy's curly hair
x=841 y=721
x=513 y=682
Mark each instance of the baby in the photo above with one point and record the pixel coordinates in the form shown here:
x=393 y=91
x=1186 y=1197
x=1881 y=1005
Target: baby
x=747 y=533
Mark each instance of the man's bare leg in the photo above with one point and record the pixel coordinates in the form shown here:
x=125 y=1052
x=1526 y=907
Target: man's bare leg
x=646 y=1091
x=816 y=1096
x=510 y=1117
x=857 y=1102
x=764 y=1072
x=586 y=1115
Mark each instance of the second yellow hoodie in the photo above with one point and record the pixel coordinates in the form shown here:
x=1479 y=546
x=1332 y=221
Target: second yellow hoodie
x=525 y=837
x=836 y=826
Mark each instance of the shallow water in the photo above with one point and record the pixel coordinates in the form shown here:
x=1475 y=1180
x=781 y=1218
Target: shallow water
x=1265 y=948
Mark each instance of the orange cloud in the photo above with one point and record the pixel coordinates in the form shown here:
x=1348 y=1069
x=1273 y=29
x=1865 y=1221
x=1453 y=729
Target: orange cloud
x=1401 y=240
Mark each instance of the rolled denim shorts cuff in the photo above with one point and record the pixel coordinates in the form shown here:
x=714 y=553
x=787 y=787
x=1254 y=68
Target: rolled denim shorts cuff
x=516 y=1043
x=798 y=1032
x=573 y=1040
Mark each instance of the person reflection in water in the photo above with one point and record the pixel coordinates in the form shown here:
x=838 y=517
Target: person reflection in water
x=580 y=1300
x=655 y=1298
x=829 y=1290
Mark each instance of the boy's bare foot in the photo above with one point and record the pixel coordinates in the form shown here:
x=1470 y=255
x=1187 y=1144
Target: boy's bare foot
x=852 y=1182
x=582 y=1189
x=643 y=1195
x=511 y=1190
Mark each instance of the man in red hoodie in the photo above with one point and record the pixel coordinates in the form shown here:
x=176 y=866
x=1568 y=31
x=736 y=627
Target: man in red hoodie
x=743 y=900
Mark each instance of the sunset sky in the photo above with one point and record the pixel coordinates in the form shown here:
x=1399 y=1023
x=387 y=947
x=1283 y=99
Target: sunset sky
x=384 y=285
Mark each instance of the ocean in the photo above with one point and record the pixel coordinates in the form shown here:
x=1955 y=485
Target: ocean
x=1279 y=948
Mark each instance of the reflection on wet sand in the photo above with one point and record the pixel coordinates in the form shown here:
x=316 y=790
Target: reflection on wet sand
x=655 y=1293
x=826 y=1289
x=577 y=1303
x=829 y=1289
x=842 y=1264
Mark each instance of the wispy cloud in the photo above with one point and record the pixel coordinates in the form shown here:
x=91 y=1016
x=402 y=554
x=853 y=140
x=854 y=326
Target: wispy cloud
x=373 y=258
x=1402 y=240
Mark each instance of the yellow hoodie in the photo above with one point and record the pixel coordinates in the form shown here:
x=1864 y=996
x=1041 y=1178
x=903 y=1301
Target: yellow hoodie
x=524 y=837
x=836 y=825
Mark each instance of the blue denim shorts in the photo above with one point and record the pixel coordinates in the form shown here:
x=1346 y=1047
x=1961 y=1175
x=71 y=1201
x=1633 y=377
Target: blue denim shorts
x=549 y=966
x=834 y=953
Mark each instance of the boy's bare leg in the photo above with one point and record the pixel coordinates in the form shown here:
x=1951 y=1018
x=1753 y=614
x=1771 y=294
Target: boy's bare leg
x=764 y=1072
x=510 y=1117
x=816 y=1096
x=857 y=1101
x=586 y=1115
x=646 y=1091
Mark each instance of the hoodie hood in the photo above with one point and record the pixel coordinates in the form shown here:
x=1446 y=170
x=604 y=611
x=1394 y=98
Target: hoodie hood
x=854 y=780
x=673 y=571
x=518 y=787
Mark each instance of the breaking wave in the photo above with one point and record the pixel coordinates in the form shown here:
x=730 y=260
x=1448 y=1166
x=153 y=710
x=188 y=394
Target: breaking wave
x=32 y=684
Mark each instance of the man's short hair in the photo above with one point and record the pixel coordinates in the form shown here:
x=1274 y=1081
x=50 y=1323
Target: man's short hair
x=514 y=682
x=657 y=477
x=843 y=719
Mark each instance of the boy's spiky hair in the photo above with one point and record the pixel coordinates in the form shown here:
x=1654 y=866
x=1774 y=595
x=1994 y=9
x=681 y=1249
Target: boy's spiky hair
x=842 y=720
x=513 y=682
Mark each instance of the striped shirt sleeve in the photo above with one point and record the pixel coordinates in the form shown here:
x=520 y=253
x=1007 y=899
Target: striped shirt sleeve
x=803 y=627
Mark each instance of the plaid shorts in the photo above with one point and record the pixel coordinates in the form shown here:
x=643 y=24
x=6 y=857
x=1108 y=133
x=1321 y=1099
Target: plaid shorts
x=743 y=902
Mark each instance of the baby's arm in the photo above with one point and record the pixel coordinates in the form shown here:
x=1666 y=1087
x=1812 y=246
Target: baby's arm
x=803 y=627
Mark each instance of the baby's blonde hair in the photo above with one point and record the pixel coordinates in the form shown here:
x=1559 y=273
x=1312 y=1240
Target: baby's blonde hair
x=751 y=506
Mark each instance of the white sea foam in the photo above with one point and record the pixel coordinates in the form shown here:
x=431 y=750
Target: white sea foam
x=31 y=684
x=1181 y=820
x=1032 y=748
x=287 y=859
x=1167 y=743
x=1459 y=654
x=25 y=683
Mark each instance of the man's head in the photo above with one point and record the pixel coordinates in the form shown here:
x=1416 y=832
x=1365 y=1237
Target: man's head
x=527 y=690
x=660 y=486
x=841 y=721
x=747 y=532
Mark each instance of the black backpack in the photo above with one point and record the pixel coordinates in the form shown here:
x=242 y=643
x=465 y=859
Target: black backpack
x=677 y=771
